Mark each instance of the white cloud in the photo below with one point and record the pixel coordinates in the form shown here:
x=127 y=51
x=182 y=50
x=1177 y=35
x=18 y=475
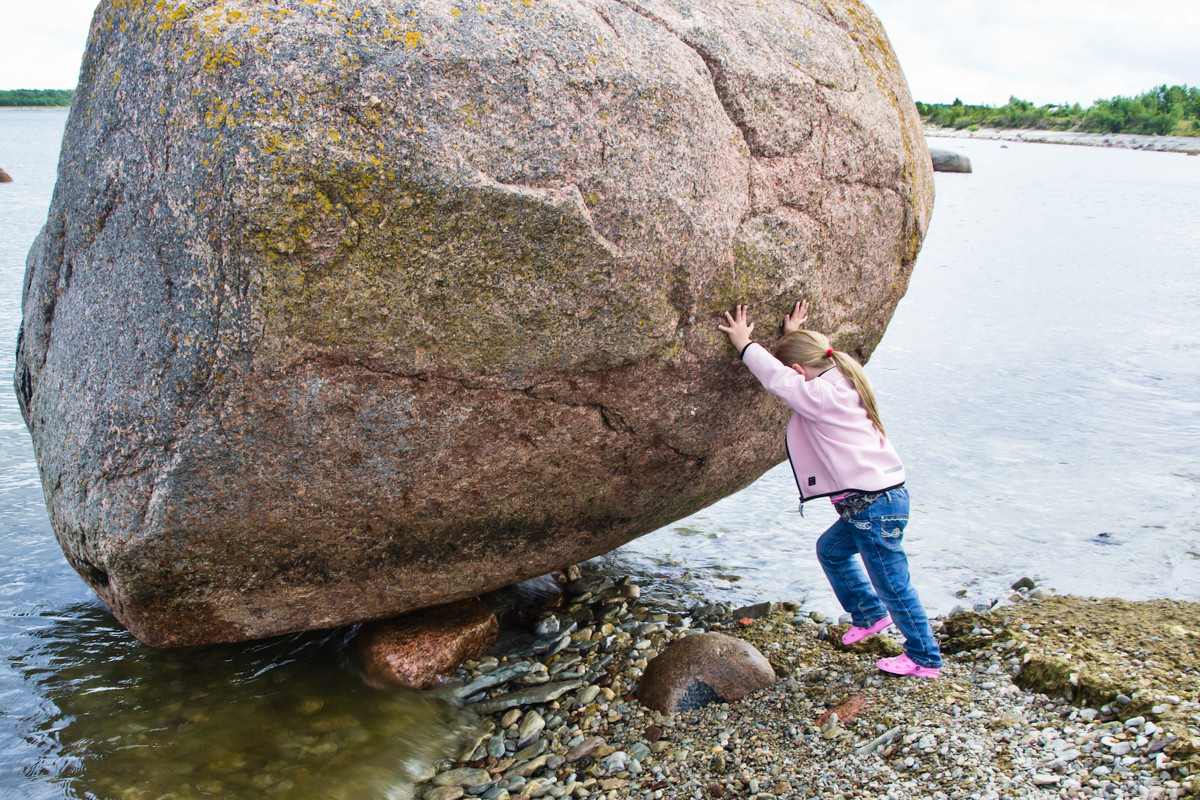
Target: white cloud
x=43 y=42
x=1047 y=51
x=982 y=51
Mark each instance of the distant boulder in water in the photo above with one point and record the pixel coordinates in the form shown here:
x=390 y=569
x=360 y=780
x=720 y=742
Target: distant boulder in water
x=5 y=177
x=348 y=308
x=949 y=161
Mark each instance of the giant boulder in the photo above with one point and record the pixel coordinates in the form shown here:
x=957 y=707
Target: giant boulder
x=345 y=308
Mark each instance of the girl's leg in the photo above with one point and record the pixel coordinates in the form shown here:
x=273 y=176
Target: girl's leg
x=886 y=563
x=836 y=550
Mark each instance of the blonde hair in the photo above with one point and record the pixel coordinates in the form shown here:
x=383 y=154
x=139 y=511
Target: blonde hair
x=810 y=349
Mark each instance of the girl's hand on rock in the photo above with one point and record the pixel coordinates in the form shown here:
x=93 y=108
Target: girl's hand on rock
x=793 y=321
x=738 y=328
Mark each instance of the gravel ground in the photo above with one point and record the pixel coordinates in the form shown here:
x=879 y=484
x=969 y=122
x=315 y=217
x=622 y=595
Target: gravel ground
x=1121 y=719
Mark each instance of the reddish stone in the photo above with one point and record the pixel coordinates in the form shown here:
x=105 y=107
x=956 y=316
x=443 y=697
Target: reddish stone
x=701 y=669
x=847 y=711
x=745 y=622
x=414 y=649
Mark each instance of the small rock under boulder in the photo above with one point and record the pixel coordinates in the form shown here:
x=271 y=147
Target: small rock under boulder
x=416 y=648
x=704 y=668
x=948 y=161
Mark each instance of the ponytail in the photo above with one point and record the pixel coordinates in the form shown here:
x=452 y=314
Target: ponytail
x=812 y=349
x=858 y=379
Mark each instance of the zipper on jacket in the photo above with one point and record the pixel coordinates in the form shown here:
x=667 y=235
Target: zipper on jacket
x=795 y=476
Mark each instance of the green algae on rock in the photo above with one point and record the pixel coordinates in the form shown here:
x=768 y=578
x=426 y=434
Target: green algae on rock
x=1129 y=660
x=1092 y=650
x=344 y=309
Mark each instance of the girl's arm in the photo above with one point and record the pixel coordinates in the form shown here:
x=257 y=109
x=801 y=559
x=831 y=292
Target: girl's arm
x=777 y=378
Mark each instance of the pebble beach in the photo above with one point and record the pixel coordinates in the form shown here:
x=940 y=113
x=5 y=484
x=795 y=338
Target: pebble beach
x=1040 y=696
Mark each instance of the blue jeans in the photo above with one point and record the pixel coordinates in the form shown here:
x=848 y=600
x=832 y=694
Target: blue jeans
x=875 y=534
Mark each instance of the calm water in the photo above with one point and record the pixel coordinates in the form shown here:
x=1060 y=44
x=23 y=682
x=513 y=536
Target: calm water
x=1040 y=380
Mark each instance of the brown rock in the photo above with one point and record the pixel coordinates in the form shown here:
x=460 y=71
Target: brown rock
x=701 y=669
x=444 y=793
x=587 y=747
x=846 y=711
x=308 y=347
x=414 y=649
x=5 y=177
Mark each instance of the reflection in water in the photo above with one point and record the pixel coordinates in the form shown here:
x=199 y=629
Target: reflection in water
x=288 y=717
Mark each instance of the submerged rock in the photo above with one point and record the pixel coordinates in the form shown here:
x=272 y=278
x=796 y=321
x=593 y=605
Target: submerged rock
x=343 y=309
x=949 y=161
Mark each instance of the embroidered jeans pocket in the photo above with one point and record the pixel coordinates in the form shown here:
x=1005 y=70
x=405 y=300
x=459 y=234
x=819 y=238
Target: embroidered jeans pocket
x=890 y=528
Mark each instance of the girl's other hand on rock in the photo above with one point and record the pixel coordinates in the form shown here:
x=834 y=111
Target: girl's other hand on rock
x=793 y=321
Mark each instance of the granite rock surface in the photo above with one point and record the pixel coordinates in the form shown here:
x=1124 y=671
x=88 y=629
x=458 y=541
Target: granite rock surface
x=415 y=649
x=347 y=308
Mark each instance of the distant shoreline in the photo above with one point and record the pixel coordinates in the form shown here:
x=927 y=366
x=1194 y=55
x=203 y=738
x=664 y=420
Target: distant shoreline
x=1125 y=141
x=1128 y=141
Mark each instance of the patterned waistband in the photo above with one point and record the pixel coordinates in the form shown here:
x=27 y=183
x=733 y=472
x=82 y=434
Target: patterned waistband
x=855 y=503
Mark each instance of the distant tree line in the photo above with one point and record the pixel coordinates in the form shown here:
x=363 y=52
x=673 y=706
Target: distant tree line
x=35 y=97
x=1164 y=111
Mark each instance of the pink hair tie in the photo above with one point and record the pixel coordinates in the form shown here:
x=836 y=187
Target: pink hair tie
x=829 y=353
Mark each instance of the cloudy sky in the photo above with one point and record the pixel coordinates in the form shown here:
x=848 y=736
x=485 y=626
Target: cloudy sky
x=983 y=51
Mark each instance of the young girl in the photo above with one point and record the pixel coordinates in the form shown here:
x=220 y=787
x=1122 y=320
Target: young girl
x=838 y=449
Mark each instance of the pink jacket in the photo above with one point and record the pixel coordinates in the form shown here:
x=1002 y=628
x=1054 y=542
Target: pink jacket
x=831 y=443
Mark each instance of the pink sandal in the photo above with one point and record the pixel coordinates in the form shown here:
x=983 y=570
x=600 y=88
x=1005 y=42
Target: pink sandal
x=903 y=665
x=856 y=634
